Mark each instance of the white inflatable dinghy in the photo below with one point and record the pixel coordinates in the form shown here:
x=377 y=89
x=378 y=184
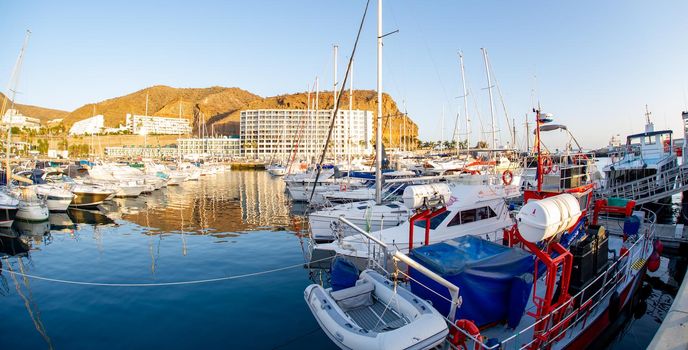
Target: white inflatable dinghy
x=373 y=315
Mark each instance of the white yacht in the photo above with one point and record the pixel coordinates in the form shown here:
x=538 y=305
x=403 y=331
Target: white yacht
x=477 y=210
x=8 y=208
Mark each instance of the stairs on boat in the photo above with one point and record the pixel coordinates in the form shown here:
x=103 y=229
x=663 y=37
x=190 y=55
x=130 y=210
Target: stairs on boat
x=651 y=189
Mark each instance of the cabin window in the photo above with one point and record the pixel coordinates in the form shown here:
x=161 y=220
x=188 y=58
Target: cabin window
x=472 y=215
x=434 y=222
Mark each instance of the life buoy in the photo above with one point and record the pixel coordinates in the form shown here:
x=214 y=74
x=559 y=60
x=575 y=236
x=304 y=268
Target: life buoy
x=458 y=338
x=667 y=145
x=507 y=177
x=547 y=165
x=342 y=187
x=578 y=157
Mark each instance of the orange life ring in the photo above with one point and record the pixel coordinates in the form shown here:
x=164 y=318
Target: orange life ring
x=578 y=157
x=304 y=166
x=547 y=164
x=458 y=338
x=507 y=177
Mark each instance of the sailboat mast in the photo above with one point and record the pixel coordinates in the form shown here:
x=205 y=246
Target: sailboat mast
x=489 y=91
x=350 y=119
x=14 y=82
x=378 y=138
x=465 y=105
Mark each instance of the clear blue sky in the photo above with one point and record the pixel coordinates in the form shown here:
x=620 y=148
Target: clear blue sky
x=597 y=62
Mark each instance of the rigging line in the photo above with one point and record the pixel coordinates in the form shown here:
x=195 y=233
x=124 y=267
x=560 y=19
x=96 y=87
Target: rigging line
x=335 y=108
x=501 y=99
x=160 y=284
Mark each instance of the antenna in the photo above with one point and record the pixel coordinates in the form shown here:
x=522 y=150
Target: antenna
x=647 y=114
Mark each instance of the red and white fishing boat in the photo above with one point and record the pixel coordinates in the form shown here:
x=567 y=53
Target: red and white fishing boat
x=559 y=277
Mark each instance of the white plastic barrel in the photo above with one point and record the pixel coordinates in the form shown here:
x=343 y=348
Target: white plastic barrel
x=417 y=195
x=542 y=219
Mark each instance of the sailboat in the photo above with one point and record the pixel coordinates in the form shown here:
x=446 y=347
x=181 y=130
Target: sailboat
x=30 y=206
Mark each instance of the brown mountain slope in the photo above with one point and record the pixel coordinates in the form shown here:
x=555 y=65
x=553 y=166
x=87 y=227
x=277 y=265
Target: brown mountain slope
x=44 y=114
x=196 y=104
x=363 y=99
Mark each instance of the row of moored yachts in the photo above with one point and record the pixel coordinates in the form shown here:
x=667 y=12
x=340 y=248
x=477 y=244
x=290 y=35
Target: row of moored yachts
x=34 y=192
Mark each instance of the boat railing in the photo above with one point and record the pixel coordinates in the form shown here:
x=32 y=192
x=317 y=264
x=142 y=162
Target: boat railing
x=398 y=256
x=649 y=189
x=583 y=304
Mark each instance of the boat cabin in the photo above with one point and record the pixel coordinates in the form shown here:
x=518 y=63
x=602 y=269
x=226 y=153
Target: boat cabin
x=647 y=154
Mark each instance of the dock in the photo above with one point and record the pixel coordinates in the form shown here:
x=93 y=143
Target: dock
x=673 y=333
x=672 y=235
x=248 y=166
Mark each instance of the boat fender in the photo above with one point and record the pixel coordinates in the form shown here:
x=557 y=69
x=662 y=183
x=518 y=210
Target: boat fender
x=653 y=262
x=659 y=247
x=614 y=306
x=458 y=338
x=507 y=177
x=547 y=165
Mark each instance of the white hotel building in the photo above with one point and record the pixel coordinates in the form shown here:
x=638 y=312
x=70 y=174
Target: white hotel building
x=267 y=132
x=89 y=126
x=152 y=125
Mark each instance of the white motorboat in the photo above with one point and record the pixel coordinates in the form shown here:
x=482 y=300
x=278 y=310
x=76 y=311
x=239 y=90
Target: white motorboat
x=276 y=170
x=376 y=314
x=31 y=207
x=476 y=210
x=57 y=198
x=8 y=209
x=176 y=178
x=85 y=195
x=324 y=223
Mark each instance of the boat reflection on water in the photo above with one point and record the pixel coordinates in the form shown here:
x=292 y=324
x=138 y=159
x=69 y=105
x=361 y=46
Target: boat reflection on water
x=35 y=230
x=61 y=222
x=11 y=244
x=90 y=217
x=235 y=202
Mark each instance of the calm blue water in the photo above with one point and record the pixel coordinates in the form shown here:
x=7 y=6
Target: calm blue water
x=228 y=224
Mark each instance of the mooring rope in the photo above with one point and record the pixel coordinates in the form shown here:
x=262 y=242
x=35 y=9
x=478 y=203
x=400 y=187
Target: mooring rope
x=161 y=284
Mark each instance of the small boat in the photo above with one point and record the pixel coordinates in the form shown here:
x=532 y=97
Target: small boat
x=374 y=314
x=276 y=170
x=58 y=199
x=31 y=207
x=8 y=209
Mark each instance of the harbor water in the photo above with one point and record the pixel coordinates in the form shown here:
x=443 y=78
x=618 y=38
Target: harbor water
x=232 y=243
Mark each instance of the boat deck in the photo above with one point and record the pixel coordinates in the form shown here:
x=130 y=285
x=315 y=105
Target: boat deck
x=377 y=317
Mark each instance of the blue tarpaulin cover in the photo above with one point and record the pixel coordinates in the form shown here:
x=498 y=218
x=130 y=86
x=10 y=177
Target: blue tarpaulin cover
x=485 y=273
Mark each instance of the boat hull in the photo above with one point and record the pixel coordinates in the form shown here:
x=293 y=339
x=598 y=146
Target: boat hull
x=33 y=213
x=84 y=200
x=7 y=216
x=58 y=204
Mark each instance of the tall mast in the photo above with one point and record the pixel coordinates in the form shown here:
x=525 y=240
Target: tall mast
x=334 y=100
x=14 y=83
x=335 y=48
x=489 y=91
x=378 y=138
x=350 y=119
x=314 y=137
x=465 y=105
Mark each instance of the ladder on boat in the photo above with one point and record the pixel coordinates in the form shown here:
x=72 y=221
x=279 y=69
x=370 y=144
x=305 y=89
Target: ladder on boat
x=651 y=189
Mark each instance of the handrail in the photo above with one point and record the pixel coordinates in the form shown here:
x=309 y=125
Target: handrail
x=399 y=256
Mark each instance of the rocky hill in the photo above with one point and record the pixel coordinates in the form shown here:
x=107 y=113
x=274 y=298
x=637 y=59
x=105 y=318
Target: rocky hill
x=218 y=108
x=197 y=104
x=362 y=99
x=44 y=114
